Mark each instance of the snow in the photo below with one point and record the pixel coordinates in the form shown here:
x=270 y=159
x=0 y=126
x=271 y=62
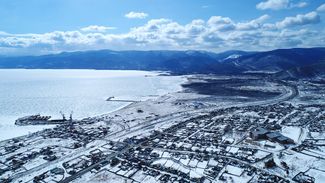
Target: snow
x=139 y=176
x=250 y=114
x=317 y=135
x=185 y=161
x=176 y=166
x=292 y=132
x=261 y=154
x=195 y=166
x=228 y=139
x=202 y=164
x=166 y=155
x=122 y=172
x=160 y=162
x=233 y=150
x=34 y=163
x=196 y=173
x=130 y=172
x=159 y=152
x=319 y=152
x=193 y=163
x=104 y=176
x=236 y=179
x=317 y=174
x=234 y=170
x=149 y=179
x=48 y=101
x=7 y=129
x=298 y=162
x=115 y=169
x=213 y=162
x=233 y=56
x=169 y=163
x=183 y=169
x=274 y=146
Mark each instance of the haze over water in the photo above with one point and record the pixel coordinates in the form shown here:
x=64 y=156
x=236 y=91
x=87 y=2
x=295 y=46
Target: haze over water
x=27 y=92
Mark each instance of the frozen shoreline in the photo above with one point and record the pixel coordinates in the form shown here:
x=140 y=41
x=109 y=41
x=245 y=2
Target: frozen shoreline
x=151 y=84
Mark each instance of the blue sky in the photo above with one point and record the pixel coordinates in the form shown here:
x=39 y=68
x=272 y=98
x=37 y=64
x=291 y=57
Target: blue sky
x=50 y=26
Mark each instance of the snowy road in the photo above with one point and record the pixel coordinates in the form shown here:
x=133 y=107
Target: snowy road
x=291 y=93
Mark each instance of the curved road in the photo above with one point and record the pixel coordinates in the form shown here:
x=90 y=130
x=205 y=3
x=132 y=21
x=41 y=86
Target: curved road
x=290 y=94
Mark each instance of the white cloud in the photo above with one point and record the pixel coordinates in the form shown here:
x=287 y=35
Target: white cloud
x=273 y=4
x=96 y=28
x=279 y=4
x=218 y=23
x=301 y=19
x=139 y=15
x=299 y=5
x=321 y=8
x=217 y=34
x=253 y=24
x=2 y=33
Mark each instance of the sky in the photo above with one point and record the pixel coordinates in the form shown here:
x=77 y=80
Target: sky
x=37 y=27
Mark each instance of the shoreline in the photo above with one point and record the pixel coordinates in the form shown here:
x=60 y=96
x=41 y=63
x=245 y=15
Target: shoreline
x=39 y=128
x=129 y=105
x=187 y=80
x=169 y=123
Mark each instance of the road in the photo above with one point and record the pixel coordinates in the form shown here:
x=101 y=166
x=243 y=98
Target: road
x=292 y=91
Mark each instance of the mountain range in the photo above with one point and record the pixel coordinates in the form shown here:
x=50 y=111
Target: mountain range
x=285 y=63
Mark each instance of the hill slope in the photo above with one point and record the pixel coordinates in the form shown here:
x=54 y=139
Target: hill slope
x=281 y=59
x=230 y=62
x=174 y=61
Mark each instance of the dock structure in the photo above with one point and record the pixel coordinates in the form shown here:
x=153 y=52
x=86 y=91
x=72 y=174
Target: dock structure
x=120 y=100
x=125 y=100
x=42 y=120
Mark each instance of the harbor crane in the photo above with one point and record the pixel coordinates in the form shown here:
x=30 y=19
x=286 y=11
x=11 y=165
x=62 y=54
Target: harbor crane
x=63 y=116
x=71 y=116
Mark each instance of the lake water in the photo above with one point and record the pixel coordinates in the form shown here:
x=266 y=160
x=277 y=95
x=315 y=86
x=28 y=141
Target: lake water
x=27 y=92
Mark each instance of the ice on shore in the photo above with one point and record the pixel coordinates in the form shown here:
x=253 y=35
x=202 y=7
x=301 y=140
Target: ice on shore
x=28 y=92
x=8 y=131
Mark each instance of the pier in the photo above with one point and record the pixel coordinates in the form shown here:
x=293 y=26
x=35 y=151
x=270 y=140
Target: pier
x=120 y=100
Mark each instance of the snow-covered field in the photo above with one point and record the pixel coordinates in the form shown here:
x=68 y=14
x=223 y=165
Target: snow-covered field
x=295 y=133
